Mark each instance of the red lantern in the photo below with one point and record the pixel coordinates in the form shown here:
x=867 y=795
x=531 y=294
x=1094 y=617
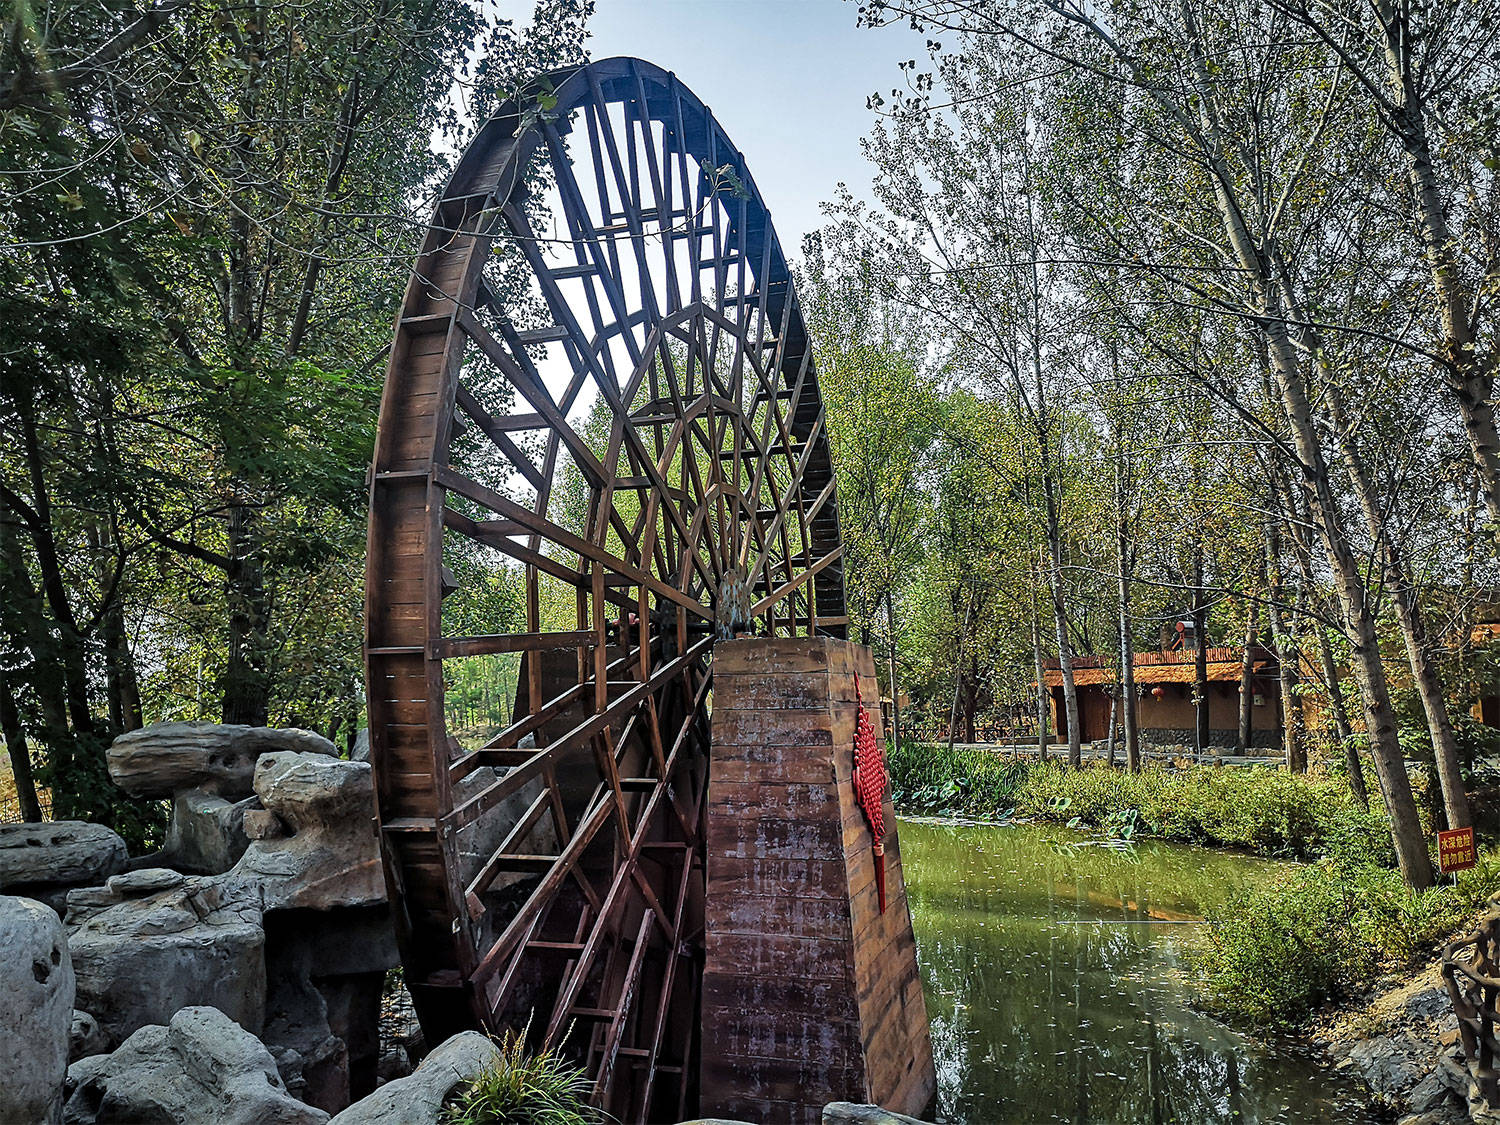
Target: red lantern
x=1157 y=692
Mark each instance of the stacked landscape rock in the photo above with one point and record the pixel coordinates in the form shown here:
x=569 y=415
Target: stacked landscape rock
x=36 y=997
x=45 y=861
x=314 y=863
x=208 y=772
x=202 y=1067
x=260 y=933
x=163 y=758
x=317 y=849
x=152 y=942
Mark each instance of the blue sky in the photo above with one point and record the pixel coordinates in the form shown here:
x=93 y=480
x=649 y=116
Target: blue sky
x=786 y=78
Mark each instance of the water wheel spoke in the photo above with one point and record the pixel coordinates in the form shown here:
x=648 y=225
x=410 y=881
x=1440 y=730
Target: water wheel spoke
x=542 y=897
x=616 y=1030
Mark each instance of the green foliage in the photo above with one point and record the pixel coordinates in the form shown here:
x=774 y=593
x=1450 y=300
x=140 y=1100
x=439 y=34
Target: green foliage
x=1324 y=932
x=82 y=790
x=1271 y=812
x=200 y=268
x=523 y=1089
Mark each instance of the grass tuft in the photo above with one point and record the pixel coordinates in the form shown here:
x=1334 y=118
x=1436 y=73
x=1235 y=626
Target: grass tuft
x=524 y=1089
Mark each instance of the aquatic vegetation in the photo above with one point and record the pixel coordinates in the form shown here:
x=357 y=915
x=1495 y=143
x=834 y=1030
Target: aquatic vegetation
x=1268 y=811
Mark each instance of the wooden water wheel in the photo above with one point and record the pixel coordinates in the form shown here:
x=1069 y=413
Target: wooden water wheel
x=601 y=447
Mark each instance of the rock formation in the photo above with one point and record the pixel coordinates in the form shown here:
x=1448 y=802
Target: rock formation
x=152 y=942
x=267 y=905
x=45 y=861
x=321 y=854
x=207 y=833
x=159 y=760
x=324 y=975
x=200 y=1068
x=314 y=864
x=85 y=1037
x=419 y=1097
x=208 y=771
x=1400 y=1044
x=36 y=1004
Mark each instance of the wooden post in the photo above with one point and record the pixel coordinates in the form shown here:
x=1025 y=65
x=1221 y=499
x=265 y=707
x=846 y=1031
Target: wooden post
x=810 y=993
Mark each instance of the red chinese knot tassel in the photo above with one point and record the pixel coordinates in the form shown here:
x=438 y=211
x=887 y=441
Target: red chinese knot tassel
x=869 y=785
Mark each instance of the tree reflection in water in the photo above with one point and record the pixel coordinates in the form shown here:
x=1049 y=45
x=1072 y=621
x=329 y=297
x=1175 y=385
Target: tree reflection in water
x=1054 y=973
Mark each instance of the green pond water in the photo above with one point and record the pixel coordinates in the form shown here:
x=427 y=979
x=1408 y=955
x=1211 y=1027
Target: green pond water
x=1055 y=974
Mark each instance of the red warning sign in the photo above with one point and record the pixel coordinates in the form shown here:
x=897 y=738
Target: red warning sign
x=1455 y=850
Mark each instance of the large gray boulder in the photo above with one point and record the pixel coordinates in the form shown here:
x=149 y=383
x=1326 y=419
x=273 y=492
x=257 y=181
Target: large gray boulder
x=158 y=760
x=152 y=942
x=36 y=1010
x=418 y=1098
x=44 y=861
x=328 y=857
x=206 y=835
x=200 y=1068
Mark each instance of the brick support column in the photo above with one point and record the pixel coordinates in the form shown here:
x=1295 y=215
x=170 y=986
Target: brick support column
x=810 y=993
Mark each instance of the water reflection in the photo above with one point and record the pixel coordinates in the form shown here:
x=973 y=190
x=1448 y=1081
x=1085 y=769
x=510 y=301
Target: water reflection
x=1053 y=979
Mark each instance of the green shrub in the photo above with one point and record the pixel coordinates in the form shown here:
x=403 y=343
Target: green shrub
x=1262 y=810
x=1277 y=953
x=522 y=1089
x=1323 y=933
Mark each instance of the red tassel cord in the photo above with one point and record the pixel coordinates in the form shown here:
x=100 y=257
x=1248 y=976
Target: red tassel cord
x=869 y=785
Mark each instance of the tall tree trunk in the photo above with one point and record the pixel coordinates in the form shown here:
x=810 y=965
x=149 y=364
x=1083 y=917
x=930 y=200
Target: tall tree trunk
x=22 y=603
x=122 y=692
x=1125 y=557
x=1245 y=739
x=1268 y=301
x=1043 y=710
x=1469 y=373
x=1341 y=724
x=70 y=653
x=1293 y=744
x=971 y=694
x=18 y=751
x=1296 y=519
x=247 y=688
x=1114 y=710
x=1129 y=718
x=1064 y=646
x=1201 y=736
x=1367 y=666
x=1408 y=612
x=958 y=675
x=1434 y=701
x=890 y=625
